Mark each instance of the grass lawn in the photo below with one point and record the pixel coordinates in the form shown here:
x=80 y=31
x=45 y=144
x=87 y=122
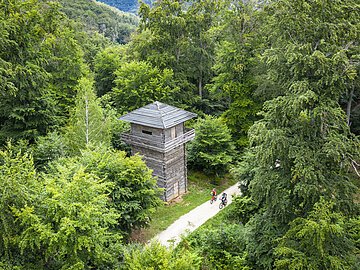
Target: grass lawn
x=199 y=188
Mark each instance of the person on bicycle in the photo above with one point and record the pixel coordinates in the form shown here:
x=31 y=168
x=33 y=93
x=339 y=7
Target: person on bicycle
x=224 y=198
x=213 y=194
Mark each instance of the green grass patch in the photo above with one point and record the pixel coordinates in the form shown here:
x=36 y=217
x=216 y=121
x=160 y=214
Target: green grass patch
x=199 y=188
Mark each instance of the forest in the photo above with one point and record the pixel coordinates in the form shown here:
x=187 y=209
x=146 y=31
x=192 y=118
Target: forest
x=276 y=88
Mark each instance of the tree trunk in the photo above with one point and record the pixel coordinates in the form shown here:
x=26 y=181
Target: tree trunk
x=87 y=119
x=200 y=87
x=348 y=109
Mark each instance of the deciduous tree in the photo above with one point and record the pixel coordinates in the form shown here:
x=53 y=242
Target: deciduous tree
x=68 y=227
x=134 y=193
x=212 y=149
x=139 y=83
x=37 y=77
x=156 y=256
x=88 y=123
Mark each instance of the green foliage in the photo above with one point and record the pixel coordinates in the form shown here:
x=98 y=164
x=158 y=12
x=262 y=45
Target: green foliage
x=91 y=43
x=98 y=17
x=319 y=241
x=353 y=230
x=200 y=16
x=58 y=220
x=134 y=193
x=220 y=248
x=156 y=256
x=236 y=59
x=177 y=35
x=116 y=127
x=48 y=148
x=17 y=186
x=68 y=226
x=165 y=23
x=34 y=56
x=212 y=149
x=106 y=63
x=244 y=172
x=263 y=229
x=301 y=56
x=88 y=124
x=302 y=149
x=242 y=209
x=138 y=83
x=306 y=130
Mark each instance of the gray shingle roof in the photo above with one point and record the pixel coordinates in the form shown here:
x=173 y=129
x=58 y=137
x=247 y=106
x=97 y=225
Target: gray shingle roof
x=158 y=115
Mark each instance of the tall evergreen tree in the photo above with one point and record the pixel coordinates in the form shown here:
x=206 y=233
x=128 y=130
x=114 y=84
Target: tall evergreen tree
x=302 y=149
x=319 y=241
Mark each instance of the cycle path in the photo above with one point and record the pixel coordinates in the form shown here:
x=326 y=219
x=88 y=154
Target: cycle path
x=194 y=219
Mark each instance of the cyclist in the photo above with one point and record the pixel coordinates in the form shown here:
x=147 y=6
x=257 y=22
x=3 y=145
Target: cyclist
x=224 y=198
x=213 y=194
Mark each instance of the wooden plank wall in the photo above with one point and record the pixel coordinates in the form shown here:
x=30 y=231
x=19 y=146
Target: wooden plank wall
x=169 y=167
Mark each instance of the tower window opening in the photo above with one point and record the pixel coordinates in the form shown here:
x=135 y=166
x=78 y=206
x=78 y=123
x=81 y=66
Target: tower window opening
x=146 y=132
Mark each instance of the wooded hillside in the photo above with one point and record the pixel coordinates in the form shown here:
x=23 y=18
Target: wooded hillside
x=96 y=16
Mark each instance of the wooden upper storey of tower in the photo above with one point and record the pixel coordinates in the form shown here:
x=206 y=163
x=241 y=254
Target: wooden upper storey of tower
x=158 y=127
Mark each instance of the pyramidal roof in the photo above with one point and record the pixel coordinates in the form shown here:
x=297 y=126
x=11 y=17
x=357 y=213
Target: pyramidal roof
x=158 y=115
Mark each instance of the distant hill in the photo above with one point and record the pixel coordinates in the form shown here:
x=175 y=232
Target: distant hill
x=95 y=16
x=126 y=5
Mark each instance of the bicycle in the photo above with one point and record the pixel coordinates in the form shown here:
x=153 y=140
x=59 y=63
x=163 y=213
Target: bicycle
x=213 y=199
x=223 y=203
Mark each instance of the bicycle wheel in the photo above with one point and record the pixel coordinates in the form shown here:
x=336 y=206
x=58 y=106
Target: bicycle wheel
x=211 y=201
x=221 y=205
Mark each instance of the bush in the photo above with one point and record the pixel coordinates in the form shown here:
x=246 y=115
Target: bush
x=156 y=256
x=212 y=150
x=220 y=248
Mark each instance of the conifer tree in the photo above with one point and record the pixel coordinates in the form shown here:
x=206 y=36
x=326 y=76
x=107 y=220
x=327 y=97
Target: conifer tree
x=302 y=150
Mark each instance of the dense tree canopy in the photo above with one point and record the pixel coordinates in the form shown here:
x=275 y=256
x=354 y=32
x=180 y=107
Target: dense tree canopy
x=212 y=149
x=275 y=83
x=97 y=17
x=36 y=51
x=139 y=83
x=133 y=193
x=302 y=149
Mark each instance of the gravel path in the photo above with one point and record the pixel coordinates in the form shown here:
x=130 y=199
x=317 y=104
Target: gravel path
x=192 y=220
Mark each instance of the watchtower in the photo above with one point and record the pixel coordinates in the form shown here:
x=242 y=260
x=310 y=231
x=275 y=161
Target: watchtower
x=159 y=135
